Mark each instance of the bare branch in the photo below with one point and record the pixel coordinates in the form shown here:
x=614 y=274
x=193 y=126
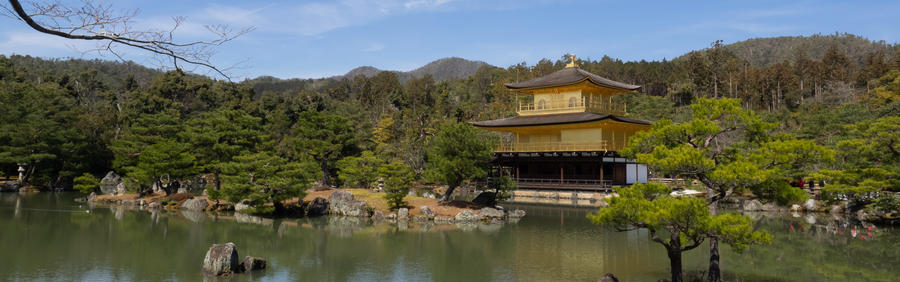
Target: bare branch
x=95 y=21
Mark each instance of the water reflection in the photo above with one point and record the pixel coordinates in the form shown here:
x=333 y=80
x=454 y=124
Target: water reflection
x=53 y=238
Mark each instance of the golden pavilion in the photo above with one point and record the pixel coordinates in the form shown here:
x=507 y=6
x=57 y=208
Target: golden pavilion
x=568 y=135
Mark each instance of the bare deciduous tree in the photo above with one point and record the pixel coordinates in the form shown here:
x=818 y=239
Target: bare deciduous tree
x=111 y=28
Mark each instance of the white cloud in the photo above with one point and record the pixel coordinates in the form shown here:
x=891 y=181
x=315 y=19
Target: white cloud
x=309 y=18
x=416 y=4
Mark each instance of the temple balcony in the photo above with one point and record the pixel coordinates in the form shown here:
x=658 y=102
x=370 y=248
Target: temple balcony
x=544 y=147
x=574 y=105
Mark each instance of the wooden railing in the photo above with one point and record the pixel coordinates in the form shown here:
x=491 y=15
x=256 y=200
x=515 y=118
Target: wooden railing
x=565 y=184
x=584 y=104
x=538 y=147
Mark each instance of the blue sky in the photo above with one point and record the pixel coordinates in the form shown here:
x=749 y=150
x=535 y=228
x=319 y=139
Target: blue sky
x=311 y=39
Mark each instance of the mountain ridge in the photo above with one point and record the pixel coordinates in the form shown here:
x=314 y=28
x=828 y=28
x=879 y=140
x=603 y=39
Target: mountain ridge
x=441 y=69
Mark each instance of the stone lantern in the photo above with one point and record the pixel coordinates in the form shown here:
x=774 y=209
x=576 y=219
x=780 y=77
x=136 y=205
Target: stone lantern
x=21 y=171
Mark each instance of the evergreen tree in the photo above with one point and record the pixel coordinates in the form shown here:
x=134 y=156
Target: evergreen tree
x=837 y=65
x=262 y=178
x=323 y=137
x=686 y=221
x=728 y=149
x=361 y=171
x=459 y=153
x=216 y=137
x=163 y=164
x=398 y=177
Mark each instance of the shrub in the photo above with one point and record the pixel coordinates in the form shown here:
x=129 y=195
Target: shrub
x=86 y=183
x=397 y=179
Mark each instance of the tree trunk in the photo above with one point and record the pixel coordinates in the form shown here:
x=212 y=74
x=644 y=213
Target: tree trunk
x=675 y=264
x=325 y=181
x=217 y=184
x=446 y=197
x=279 y=207
x=714 y=273
x=715 y=85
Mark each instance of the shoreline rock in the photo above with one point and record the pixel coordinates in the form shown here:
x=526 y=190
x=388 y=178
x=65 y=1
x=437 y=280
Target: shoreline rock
x=195 y=204
x=110 y=182
x=10 y=186
x=341 y=202
x=466 y=215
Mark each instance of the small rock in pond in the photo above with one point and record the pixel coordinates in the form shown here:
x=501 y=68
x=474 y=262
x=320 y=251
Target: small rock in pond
x=491 y=213
x=517 y=214
x=252 y=263
x=609 y=277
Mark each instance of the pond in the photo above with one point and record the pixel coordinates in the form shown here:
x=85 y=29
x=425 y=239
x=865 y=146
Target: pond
x=49 y=236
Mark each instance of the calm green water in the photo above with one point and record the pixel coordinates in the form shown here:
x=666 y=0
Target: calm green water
x=48 y=236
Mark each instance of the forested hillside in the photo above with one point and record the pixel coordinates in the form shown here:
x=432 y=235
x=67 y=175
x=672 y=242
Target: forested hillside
x=67 y=118
x=762 y=52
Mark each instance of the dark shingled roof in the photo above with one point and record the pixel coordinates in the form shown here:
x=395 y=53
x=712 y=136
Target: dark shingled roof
x=554 y=119
x=568 y=76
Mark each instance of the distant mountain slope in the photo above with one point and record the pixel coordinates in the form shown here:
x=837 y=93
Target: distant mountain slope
x=367 y=71
x=448 y=68
x=440 y=70
x=767 y=51
x=112 y=73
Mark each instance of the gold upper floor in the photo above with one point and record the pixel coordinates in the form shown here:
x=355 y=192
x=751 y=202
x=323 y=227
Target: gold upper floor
x=572 y=101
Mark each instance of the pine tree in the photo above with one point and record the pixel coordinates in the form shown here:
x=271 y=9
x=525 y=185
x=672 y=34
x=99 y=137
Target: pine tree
x=686 y=221
x=361 y=171
x=216 y=137
x=398 y=177
x=458 y=153
x=837 y=65
x=729 y=150
x=262 y=178
x=323 y=137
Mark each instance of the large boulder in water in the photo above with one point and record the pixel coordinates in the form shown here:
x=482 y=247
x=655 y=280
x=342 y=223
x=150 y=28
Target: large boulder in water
x=195 y=204
x=221 y=260
x=109 y=183
x=318 y=206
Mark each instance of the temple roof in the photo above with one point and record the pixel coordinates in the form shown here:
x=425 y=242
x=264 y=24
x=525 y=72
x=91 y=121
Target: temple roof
x=554 y=119
x=569 y=76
